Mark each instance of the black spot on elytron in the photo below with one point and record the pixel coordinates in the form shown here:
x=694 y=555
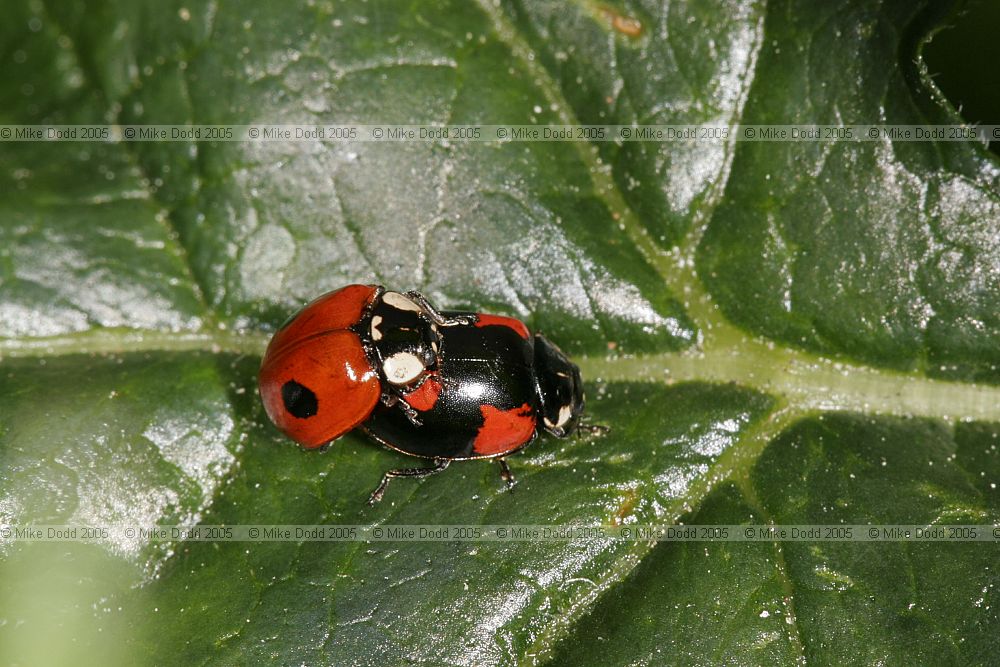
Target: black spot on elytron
x=299 y=400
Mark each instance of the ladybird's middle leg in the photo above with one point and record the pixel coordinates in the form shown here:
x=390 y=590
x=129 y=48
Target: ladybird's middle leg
x=439 y=465
x=506 y=475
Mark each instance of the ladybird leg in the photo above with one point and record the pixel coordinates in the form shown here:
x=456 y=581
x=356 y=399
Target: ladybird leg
x=410 y=413
x=439 y=465
x=435 y=315
x=392 y=400
x=593 y=429
x=506 y=475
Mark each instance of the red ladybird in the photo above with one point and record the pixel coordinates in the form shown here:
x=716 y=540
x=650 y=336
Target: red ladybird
x=442 y=386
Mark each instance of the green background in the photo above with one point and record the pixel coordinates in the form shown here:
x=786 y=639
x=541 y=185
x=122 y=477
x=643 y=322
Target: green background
x=774 y=332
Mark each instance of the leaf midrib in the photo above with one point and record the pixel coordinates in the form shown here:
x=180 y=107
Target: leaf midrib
x=804 y=380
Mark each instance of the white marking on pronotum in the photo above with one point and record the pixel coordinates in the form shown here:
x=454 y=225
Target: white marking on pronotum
x=400 y=302
x=402 y=368
x=565 y=412
x=376 y=334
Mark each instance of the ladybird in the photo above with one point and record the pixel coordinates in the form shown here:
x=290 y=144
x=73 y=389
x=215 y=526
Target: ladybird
x=444 y=386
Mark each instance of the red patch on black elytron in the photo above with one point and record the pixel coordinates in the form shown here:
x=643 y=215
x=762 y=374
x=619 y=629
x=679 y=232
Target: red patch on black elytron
x=504 y=430
x=501 y=321
x=425 y=397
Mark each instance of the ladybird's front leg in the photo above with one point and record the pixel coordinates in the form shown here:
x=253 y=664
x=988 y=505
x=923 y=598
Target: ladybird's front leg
x=591 y=428
x=390 y=400
x=435 y=315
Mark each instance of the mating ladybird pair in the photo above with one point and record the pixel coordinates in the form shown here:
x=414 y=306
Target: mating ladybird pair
x=440 y=385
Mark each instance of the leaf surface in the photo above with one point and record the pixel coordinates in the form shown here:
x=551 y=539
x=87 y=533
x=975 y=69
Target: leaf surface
x=774 y=332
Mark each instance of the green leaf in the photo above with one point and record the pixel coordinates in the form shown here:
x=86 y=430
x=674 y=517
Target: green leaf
x=266 y=223
x=773 y=332
x=321 y=602
x=694 y=603
x=93 y=250
x=881 y=250
x=98 y=442
x=639 y=63
x=752 y=602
